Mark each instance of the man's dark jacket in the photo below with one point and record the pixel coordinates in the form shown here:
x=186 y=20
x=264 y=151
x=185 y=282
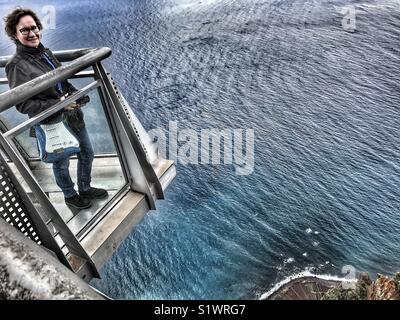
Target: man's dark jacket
x=27 y=64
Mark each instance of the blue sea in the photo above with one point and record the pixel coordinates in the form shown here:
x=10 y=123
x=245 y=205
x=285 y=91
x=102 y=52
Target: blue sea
x=321 y=92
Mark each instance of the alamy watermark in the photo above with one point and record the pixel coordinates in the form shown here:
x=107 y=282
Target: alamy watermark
x=349 y=17
x=207 y=147
x=48 y=17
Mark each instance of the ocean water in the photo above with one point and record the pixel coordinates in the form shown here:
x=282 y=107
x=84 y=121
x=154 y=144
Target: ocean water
x=323 y=103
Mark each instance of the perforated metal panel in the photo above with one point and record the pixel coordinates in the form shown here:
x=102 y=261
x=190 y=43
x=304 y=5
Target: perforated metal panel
x=12 y=208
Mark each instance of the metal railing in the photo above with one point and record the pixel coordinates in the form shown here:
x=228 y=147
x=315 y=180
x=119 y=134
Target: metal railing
x=140 y=174
x=50 y=79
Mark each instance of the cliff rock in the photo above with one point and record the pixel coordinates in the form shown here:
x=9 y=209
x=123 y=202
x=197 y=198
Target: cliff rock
x=383 y=288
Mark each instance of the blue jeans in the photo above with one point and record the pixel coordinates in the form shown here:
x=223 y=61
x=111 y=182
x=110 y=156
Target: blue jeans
x=84 y=169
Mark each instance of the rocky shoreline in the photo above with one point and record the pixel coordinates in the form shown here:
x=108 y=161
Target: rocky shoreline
x=314 y=288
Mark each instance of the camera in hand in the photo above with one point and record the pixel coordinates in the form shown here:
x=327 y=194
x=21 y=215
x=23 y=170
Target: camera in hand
x=82 y=101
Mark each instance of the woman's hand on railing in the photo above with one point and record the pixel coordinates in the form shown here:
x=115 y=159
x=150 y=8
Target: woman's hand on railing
x=71 y=106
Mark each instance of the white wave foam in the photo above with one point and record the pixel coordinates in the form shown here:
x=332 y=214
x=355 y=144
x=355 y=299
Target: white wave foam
x=302 y=275
x=288 y=260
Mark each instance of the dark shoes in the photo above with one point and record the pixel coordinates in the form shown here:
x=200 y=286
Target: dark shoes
x=78 y=202
x=83 y=199
x=94 y=193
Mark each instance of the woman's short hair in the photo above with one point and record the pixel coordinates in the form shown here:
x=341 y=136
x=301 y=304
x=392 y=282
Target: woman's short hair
x=12 y=20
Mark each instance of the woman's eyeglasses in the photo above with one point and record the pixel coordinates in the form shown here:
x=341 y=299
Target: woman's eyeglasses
x=26 y=31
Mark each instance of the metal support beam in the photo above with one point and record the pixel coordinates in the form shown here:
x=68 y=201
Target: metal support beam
x=137 y=178
x=133 y=136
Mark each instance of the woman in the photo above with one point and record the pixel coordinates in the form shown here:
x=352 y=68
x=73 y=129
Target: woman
x=31 y=60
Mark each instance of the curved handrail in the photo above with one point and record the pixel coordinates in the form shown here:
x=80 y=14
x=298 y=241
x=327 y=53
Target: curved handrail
x=39 y=84
x=61 y=55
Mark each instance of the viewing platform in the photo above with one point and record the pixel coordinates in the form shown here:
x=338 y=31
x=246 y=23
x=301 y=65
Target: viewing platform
x=126 y=164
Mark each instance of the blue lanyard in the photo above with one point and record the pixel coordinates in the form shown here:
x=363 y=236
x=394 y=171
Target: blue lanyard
x=47 y=58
